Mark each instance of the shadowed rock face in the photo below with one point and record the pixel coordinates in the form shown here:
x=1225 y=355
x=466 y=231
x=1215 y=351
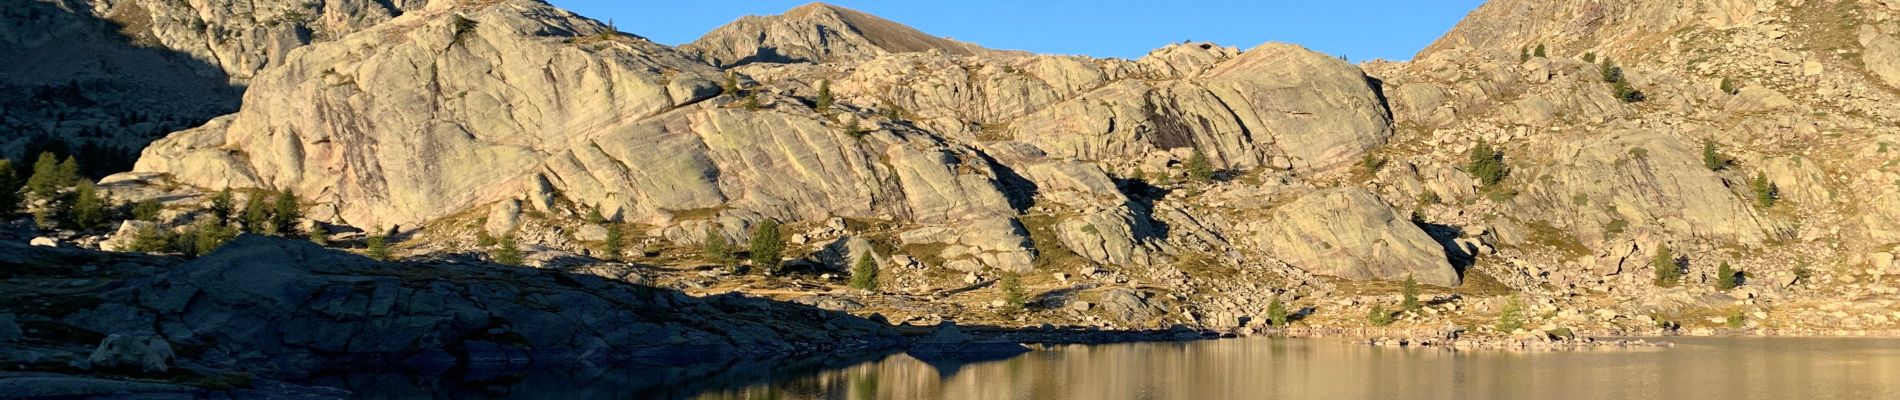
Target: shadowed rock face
x=286 y=302
x=818 y=32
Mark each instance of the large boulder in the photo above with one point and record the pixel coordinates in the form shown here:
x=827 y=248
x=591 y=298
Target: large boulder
x=1349 y=233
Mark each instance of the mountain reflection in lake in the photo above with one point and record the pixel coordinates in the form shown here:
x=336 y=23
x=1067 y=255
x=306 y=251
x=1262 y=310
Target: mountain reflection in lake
x=1698 y=368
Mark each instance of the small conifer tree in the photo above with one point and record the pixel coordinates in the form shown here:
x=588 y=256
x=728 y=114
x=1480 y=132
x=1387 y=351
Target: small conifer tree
x=767 y=246
x=864 y=273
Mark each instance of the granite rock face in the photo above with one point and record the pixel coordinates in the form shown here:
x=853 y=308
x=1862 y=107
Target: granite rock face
x=1350 y=233
x=818 y=32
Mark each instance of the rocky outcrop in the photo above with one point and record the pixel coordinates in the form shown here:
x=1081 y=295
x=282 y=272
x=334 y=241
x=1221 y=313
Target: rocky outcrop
x=1350 y=233
x=1646 y=181
x=1574 y=26
x=281 y=302
x=818 y=32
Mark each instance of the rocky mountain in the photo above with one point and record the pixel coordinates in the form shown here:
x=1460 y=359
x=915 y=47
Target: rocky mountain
x=1603 y=163
x=105 y=77
x=819 y=32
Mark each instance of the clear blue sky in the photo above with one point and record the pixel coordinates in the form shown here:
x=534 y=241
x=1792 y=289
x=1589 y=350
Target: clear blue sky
x=1360 y=29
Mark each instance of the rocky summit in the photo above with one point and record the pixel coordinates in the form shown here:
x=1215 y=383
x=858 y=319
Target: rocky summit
x=495 y=181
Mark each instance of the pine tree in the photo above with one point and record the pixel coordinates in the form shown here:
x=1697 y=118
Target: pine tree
x=1014 y=299
x=1276 y=313
x=45 y=182
x=1512 y=317
x=1668 y=271
x=615 y=237
x=1711 y=158
x=1199 y=167
x=864 y=273
x=1725 y=277
x=257 y=214
x=378 y=247
x=767 y=246
x=285 y=212
x=90 y=210
x=147 y=210
x=1409 y=289
x=1611 y=73
x=824 y=96
x=224 y=206
x=10 y=187
x=1539 y=53
x=717 y=248
x=318 y=236
x=68 y=172
x=1765 y=192
x=507 y=251
x=1487 y=164
x=209 y=237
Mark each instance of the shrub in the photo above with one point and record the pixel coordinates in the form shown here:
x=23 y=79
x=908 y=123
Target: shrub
x=318 y=236
x=1668 y=269
x=1523 y=54
x=1276 y=313
x=1539 y=53
x=1409 y=289
x=1487 y=164
x=864 y=273
x=10 y=186
x=1590 y=57
x=1729 y=86
x=1511 y=318
x=1725 y=277
x=1199 y=167
x=1372 y=164
x=1378 y=316
x=717 y=248
x=594 y=217
x=1736 y=319
x=507 y=252
x=1429 y=197
x=1610 y=72
x=1766 y=194
x=731 y=85
x=1014 y=299
x=1627 y=93
x=767 y=246
x=377 y=247
x=1711 y=158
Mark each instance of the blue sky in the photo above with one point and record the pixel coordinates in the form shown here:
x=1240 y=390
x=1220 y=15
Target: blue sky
x=1359 y=29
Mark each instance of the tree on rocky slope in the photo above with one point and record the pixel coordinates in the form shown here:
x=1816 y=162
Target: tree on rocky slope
x=1712 y=158
x=90 y=209
x=147 y=210
x=285 y=212
x=615 y=236
x=1766 y=194
x=377 y=246
x=257 y=214
x=714 y=244
x=1408 y=289
x=1668 y=268
x=224 y=206
x=767 y=246
x=47 y=178
x=507 y=251
x=824 y=96
x=1511 y=318
x=1199 y=167
x=1379 y=316
x=1014 y=299
x=1487 y=164
x=1725 y=277
x=1276 y=312
x=864 y=273
x=1539 y=53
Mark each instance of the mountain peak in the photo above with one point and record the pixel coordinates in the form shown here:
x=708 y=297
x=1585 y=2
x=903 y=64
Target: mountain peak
x=817 y=32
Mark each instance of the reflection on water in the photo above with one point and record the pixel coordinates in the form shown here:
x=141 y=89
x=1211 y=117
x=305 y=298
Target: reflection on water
x=1700 y=368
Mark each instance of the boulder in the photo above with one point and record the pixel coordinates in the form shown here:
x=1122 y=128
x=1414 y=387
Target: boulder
x=817 y=32
x=147 y=353
x=1349 y=233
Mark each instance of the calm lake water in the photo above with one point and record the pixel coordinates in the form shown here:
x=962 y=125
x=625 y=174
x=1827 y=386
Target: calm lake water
x=1698 y=368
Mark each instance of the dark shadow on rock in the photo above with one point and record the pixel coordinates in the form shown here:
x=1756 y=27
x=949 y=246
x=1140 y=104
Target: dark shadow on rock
x=1141 y=201
x=1447 y=237
x=71 y=64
